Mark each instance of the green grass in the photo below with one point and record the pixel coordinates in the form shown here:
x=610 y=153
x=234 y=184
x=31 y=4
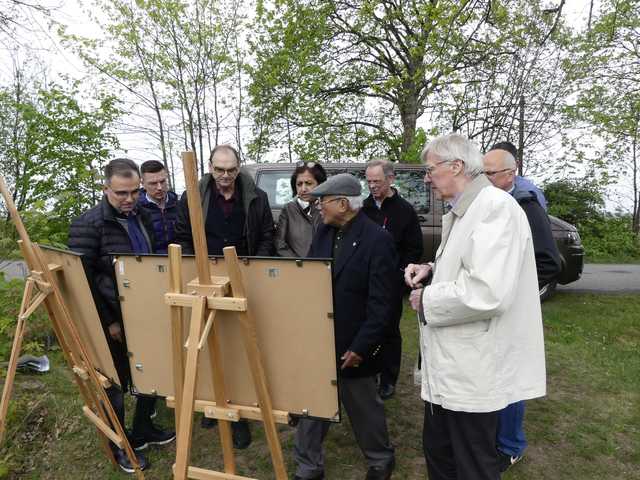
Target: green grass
x=586 y=428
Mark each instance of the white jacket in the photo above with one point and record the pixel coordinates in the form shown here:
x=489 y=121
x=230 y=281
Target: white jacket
x=482 y=345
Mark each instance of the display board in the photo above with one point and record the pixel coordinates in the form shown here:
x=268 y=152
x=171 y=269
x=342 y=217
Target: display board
x=78 y=299
x=291 y=301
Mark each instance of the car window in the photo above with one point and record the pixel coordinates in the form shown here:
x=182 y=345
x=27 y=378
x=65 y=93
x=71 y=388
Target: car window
x=277 y=185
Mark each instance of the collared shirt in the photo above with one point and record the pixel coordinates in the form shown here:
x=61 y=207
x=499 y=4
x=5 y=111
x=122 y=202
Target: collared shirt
x=226 y=205
x=153 y=200
x=340 y=234
x=452 y=203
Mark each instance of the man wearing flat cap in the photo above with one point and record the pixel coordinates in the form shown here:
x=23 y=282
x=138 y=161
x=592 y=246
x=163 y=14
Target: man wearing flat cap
x=364 y=260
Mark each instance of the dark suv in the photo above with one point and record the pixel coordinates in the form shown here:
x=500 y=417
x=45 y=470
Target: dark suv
x=274 y=179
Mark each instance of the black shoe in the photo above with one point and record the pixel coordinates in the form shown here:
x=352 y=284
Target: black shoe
x=241 y=435
x=387 y=390
x=507 y=460
x=125 y=464
x=381 y=473
x=206 y=422
x=320 y=476
x=153 y=436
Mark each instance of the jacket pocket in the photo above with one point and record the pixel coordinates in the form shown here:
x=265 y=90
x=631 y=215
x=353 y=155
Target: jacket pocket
x=467 y=364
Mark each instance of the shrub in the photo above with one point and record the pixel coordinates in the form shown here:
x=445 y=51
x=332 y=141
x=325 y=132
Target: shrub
x=38 y=328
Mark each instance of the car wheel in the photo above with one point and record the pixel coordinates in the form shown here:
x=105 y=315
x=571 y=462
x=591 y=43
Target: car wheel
x=547 y=290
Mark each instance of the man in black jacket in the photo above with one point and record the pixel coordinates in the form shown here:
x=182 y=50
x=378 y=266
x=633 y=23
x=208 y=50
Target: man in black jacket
x=388 y=209
x=115 y=225
x=363 y=271
x=500 y=169
x=161 y=203
x=236 y=213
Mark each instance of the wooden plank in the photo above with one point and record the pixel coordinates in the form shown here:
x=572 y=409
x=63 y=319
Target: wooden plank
x=202 y=474
x=175 y=286
x=81 y=372
x=195 y=215
x=221 y=413
x=207 y=329
x=104 y=381
x=183 y=443
x=233 y=304
x=34 y=304
x=219 y=287
x=250 y=338
x=103 y=427
x=17 y=221
x=220 y=392
x=18 y=336
x=250 y=413
x=54 y=267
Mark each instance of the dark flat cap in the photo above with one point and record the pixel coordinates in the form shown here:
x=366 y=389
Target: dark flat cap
x=341 y=184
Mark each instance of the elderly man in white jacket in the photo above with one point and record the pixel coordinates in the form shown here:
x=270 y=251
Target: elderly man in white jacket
x=481 y=334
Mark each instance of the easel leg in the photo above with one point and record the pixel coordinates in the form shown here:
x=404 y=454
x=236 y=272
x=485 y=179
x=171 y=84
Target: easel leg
x=175 y=269
x=183 y=443
x=76 y=355
x=13 y=359
x=250 y=338
x=224 y=426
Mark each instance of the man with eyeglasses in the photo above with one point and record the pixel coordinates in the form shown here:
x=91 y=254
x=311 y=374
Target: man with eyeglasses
x=500 y=168
x=235 y=213
x=481 y=336
x=160 y=202
x=116 y=225
x=364 y=260
x=522 y=183
x=388 y=209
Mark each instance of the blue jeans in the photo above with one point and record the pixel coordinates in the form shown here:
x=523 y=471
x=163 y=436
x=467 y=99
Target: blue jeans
x=510 y=439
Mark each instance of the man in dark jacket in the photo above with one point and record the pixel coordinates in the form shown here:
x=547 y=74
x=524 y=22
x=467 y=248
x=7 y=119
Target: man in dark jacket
x=363 y=272
x=236 y=213
x=388 y=209
x=115 y=225
x=161 y=203
x=500 y=169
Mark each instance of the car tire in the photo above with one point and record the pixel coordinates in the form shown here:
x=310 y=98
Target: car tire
x=547 y=290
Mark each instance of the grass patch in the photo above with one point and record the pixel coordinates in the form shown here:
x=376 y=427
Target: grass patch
x=588 y=427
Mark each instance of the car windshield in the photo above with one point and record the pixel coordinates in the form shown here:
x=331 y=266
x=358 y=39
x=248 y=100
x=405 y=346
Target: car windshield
x=409 y=183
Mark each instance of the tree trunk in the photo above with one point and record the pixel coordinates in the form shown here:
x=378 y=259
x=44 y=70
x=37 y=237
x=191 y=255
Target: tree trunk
x=409 y=117
x=636 y=195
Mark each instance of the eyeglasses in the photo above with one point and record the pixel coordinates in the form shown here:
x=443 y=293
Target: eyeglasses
x=490 y=173
x=229 y=171
x=431 y=168
x=123 y=194
x=302 y=163
x=322 y=203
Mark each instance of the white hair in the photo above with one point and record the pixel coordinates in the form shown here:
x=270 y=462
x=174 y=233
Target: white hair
x=355 y=203
x=456 y=147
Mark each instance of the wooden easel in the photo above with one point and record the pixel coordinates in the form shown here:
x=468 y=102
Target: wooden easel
x=207 y=295
x=41 y=288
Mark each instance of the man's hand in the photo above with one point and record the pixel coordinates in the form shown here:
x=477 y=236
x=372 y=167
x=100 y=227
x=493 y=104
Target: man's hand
x=415 y=273
x=351 y=359
x=115 y=332
x=414 y=298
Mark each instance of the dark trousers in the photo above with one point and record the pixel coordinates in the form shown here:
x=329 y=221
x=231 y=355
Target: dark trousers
x=142 y=413
x=460 y=445
x=392 y=347
x=366 y=413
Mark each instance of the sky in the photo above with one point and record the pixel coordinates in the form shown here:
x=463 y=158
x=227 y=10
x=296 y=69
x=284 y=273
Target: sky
x=37 y=38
